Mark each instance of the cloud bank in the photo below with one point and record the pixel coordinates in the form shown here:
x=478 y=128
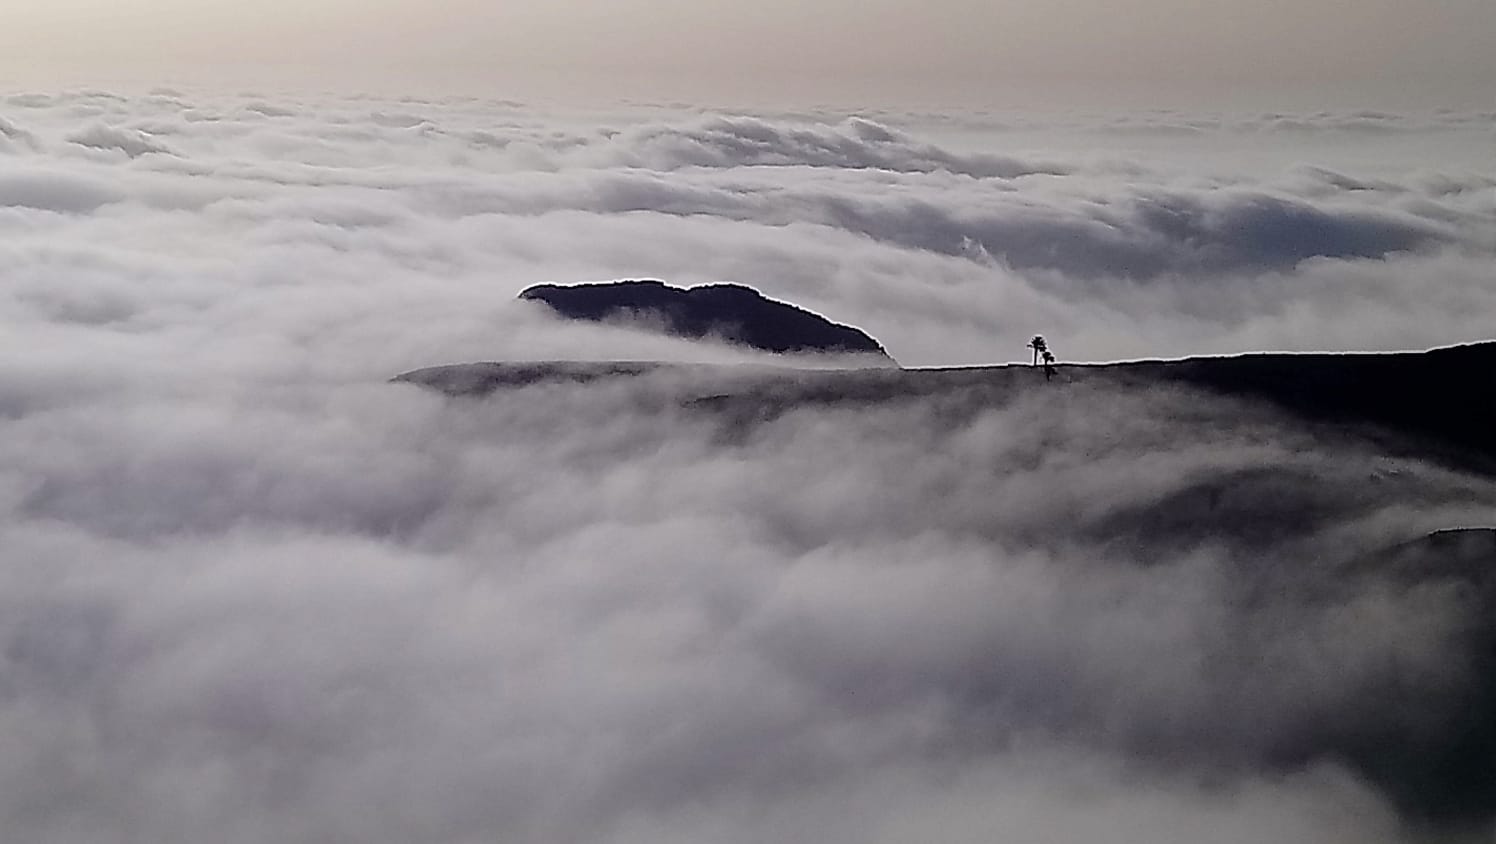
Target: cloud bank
x=253 y=592
x=955 y=253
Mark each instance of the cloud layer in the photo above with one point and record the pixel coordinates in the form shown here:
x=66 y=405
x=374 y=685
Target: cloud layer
x=954 y=256
x=253 y=592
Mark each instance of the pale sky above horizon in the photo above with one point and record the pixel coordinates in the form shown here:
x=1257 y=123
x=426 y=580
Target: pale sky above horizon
x=1388 y=52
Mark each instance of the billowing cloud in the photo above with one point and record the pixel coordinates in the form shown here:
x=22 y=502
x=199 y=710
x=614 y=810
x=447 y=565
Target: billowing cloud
x=132 y=143
x=951 y=253
x=14 y=139
x=253 y=591
x=857 y=144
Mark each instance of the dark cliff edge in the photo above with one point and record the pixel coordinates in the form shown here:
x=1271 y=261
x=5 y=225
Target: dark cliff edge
x=733 y=312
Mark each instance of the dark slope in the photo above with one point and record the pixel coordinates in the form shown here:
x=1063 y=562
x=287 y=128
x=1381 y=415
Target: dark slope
x=1439 y=404
x=1445 y=397
x=731 y=311
x=1293 y=464
x=1444 y=773
x=481 y=379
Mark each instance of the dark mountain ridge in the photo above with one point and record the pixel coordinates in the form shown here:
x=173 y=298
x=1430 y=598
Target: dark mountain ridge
x=1296 y=460
x=733 y=312
x=1439 y=402
x=1445 y=397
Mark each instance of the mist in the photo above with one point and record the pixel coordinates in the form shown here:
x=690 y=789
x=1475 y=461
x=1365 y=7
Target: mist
x=251 y=590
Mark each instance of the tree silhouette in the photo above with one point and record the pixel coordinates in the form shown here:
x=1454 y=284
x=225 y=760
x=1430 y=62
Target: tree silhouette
x=1039 y=347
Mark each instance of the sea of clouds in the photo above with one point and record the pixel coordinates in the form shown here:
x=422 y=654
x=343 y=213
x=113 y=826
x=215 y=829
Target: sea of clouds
x=250 y=591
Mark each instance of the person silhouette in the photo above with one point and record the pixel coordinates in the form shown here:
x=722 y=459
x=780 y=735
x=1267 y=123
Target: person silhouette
x=1049 y=369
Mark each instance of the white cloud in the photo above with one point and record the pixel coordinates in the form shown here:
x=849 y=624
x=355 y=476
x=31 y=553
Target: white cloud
x=132 y=143
x=54 y=190
x=251 y=591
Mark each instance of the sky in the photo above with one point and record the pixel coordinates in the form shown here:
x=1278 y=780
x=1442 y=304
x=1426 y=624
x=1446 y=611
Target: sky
x=1379 y=53
x=251 y=590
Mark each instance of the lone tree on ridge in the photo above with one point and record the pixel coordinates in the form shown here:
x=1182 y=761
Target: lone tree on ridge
x=1039 y=346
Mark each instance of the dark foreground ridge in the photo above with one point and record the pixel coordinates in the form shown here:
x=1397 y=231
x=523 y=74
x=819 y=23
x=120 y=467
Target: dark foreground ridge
x=1444 y=397
x=1306 y=455
x=731 y=311
x=1439 y=404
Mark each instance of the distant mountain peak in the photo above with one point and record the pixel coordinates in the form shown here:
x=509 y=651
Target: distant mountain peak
x=734 y=312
